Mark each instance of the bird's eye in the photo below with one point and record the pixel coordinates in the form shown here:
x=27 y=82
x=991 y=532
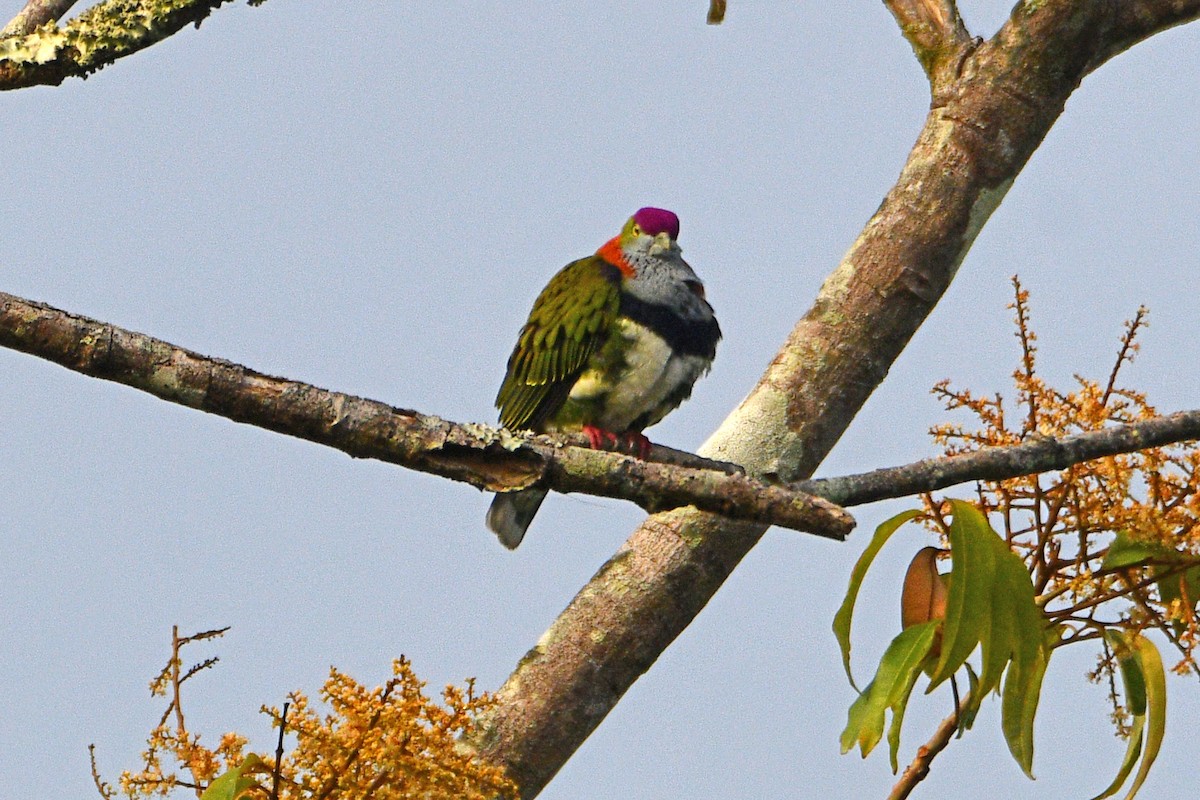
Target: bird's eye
x=637 y=231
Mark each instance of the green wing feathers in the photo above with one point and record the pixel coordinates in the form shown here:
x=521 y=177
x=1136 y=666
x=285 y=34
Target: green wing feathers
x=569 y=321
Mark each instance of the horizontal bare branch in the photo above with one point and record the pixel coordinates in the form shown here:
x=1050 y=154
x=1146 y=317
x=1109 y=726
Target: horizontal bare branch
x=1038 y=454
x=485 y=457
x=34 y=14
x=96 y=38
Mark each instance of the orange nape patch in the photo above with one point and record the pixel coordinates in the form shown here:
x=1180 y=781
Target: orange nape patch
x=611 y=252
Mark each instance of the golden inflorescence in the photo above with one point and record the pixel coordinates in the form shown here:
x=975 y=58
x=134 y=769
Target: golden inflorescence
x=388 y=743
x=1063 y=523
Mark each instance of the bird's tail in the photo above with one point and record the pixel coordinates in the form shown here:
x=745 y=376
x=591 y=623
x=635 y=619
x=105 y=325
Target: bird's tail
x=511 y=512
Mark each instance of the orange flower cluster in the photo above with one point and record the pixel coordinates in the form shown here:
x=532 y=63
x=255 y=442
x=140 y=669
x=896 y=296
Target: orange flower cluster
x=1109 y=542
x=387 y=743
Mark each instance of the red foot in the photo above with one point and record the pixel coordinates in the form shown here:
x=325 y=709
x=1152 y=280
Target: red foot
x=599 y=438
x=632 y=442
x=637 y=443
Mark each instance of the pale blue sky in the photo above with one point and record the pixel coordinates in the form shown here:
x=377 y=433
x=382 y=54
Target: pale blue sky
x=370 y=203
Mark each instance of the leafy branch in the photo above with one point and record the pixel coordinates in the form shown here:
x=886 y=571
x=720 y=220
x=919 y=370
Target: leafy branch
x=1103 y=551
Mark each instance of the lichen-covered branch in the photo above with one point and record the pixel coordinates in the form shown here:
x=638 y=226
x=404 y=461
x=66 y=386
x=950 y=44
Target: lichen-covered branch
x=934 y=29
x=96 y=38
x=1038 y=454
x=485 y=457
x=987 y=117
x=35 y=14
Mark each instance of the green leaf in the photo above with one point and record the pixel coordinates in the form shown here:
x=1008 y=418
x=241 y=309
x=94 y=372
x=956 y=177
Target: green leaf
x=998 y=636
x=891 y=688
x=1028 y=630
x=1134 y=681
x=842 y=620
x=1172 y=587
x=1023 y=682
x=966 y=717
x=1022 y=690
x=1156 y=705
x=972 y=553
x=233 y=784
x=1126 y=552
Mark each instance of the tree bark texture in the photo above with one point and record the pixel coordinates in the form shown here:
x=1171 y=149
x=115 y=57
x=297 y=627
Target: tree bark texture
x=993 y=103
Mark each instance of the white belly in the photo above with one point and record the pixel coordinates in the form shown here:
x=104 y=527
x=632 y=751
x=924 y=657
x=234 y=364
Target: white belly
x=651 y=374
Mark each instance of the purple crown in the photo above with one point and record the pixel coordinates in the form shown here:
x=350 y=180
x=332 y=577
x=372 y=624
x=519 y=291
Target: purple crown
x=656 y=220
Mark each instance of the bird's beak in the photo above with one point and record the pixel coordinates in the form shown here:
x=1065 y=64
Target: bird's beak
x=662 y=242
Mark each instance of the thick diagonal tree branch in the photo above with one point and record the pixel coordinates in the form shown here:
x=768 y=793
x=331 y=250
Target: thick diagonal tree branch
x=34 y=14
x=477 y=454
x=989 y=114
x=96 y=38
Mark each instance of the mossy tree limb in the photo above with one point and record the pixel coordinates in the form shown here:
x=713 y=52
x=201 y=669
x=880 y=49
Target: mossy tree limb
x=96 y=38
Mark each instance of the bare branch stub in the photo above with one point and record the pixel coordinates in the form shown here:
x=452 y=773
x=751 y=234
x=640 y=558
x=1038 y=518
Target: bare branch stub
x=936 y=32
x=716 y=12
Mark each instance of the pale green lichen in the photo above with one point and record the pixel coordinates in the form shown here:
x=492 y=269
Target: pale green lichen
x=38 y=47
x=103 y=33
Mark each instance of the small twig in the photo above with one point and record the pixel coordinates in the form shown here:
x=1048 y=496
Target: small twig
x=1101 y=599
x=918 y=768
x=215 y=633
x=203 y=665
x=716 y=12
x=279 y=753
x=104 y=789
x=384 y=775
x=1126 y=352
x=35 y=14
x=181 y=728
